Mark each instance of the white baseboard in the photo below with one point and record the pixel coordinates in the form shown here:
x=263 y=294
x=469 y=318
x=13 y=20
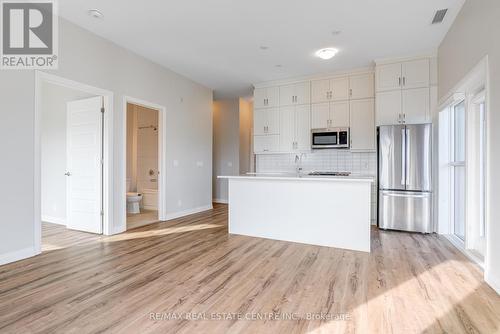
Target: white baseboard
x=17 y=255
x=492 y=281
x=220 y=200
x=455 y=242
x=188 y=212
x=54 y=220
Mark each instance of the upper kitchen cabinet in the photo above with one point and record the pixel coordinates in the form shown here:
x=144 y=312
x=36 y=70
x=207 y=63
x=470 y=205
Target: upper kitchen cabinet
x=416 y=74
x=326 y=90
x=361 y=86
x=295 y=94
x=330 y=115
x=403 y=92
x=388 y=77
x=403 y=75
x=295 y=128
x=266 y=121
x=362 y=122
x=267 y=97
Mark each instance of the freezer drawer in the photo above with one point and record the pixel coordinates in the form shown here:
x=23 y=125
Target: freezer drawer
x=405 y=211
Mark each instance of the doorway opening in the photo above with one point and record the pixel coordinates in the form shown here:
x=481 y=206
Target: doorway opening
x=72 y=178
x=144 y=154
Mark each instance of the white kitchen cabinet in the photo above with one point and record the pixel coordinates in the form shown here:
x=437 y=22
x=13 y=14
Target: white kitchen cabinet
x=409 y=106
x=295 y=128
x=320 y=115
x=388 y=110
x=403 y=75
x=388 y=77
x=267 y=97
x=303 y=128
x=362 y=121
x=361 y=86
x=416 y=74
x=266 y=121
x=330 y=115
x=266 y=144
x=340 y=89
x=295 y=94
x=403 y=92
x=416 y=106
x=320 y=91
x=340 y=114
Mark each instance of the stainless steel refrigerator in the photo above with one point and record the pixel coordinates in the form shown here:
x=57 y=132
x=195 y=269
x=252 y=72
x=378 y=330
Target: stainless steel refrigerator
x=404 y=177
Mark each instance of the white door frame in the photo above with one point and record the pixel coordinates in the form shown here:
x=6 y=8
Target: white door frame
x=162 y=158
x=40 y=78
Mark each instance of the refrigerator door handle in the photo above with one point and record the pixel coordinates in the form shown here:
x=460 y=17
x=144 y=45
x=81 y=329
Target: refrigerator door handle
x=405 y=194
x=408 y=156
x=403 y=157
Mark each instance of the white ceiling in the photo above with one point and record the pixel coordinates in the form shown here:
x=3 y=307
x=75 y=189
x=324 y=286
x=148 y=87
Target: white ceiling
x=217 y=42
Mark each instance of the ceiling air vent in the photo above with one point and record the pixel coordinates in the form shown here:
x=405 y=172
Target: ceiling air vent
x=439 y=16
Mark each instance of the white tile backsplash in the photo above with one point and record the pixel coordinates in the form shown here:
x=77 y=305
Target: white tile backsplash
x=324 y=160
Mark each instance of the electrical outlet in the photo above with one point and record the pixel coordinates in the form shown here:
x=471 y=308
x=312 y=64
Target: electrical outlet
x=179 y=203
x=199 y=163
x=229 y=164
x=176 y=163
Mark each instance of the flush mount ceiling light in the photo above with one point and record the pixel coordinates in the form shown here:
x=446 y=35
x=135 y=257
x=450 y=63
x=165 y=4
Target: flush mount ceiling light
x=326 y=53
x=95 y=13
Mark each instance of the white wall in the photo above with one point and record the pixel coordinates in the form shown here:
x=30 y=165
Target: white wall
x=87 y=58
x=225 y=145
x=246 y=125
x=473 y=35
x=53 y=150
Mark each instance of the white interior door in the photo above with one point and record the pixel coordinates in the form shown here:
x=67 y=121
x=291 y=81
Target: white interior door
x=84 y=165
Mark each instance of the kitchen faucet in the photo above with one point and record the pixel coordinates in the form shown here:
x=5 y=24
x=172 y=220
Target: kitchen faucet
x=298 y=163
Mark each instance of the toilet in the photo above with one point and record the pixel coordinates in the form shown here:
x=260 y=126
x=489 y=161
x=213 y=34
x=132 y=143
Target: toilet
x=133 y=200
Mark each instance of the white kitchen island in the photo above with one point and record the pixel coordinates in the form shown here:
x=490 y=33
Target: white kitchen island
x=324 y=211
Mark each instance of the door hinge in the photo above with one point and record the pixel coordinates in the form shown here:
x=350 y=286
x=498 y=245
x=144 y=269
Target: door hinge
x=102 y=213
x=102 y=110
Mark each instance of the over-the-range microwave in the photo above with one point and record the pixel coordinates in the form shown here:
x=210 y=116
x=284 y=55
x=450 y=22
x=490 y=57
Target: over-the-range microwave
x=330 y=138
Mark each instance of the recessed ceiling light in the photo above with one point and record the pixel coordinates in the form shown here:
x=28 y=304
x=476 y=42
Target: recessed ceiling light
x=326 y=53
x=263 y=47
x=278 y=65
x=336 y=32
x=95 y=13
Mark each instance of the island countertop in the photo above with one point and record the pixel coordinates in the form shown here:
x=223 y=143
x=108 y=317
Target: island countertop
x=300 y=177
x=331 y=211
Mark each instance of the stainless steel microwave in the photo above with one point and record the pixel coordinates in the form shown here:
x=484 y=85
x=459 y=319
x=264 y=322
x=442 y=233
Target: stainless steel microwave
x=330 y=138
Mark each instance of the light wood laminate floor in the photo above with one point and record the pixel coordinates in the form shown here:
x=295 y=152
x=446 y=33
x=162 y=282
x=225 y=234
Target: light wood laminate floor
x=192 y=270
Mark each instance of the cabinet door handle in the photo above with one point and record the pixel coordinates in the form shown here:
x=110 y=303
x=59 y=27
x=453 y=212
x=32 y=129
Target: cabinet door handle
x=331 y=94
x=399 y=81
x=350 y=92
x=404 y=81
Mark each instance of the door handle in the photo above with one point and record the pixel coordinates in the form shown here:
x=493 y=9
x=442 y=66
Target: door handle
x=407 y=158
x=67 y=174
x=403 y=157
x=399 y=81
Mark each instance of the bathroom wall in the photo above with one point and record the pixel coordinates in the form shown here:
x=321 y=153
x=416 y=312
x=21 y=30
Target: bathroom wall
x=53 y=150
x=324 y=160
x=142 y=147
